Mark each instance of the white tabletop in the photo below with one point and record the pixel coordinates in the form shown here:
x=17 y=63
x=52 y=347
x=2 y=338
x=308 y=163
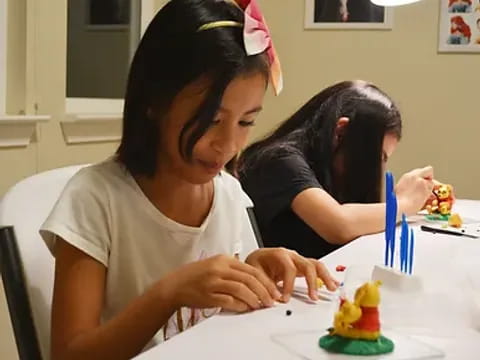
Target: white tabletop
x=445 y=315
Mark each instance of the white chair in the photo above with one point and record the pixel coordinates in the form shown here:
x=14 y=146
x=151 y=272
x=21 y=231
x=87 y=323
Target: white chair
x=22 y=211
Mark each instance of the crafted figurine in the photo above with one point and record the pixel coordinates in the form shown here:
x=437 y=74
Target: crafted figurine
x=455 y=221
x=356 y=325
x=442 y=201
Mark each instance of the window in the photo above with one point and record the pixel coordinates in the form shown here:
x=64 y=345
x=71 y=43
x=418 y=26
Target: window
x=102 y=36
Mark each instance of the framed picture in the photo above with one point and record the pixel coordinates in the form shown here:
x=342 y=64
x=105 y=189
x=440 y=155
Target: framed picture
x=346 y=14
x=459 y=26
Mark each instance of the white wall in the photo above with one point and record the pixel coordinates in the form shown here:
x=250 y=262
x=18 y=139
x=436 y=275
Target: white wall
x=3 y=54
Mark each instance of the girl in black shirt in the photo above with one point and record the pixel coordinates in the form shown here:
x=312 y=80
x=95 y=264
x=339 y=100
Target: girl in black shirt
x=316 y=180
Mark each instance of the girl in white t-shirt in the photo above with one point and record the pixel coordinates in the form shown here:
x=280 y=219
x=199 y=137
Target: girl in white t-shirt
x=156 y=238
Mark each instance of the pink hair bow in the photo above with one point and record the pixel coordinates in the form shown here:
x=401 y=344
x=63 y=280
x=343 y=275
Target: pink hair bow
x=258 y=39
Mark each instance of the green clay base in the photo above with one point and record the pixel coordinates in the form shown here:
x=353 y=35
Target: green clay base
x=437 y=217
x=338 y=344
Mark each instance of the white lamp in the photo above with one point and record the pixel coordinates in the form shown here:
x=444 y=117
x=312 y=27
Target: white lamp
x=393 y=2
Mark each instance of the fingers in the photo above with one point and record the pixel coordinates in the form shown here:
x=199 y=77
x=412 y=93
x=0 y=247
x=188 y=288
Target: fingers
x=289 y=275
x=425 y=173
x=251 y=283
x=312 y=270
x=283 y=260
x=288 y=265
x=259 y=276
x=429 y=185
x=229 y=303
x=280 y=263
x=233 y=285
x=421 y=179
x=307 y=268
x=240 y=291
x=324 y=274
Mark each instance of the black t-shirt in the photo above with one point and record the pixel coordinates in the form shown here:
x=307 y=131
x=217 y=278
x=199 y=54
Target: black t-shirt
x=272 y=185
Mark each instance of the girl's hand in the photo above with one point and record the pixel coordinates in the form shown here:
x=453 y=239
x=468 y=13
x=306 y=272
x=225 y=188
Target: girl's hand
x=285 y=265
x=221 y=281
x=414 y=189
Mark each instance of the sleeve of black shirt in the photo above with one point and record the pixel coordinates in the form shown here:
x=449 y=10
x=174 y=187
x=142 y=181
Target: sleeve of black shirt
x=273 y=184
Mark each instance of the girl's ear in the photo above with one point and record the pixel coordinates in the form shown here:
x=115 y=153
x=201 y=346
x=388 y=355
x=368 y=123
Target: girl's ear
x=150 y=113
x=341 y=127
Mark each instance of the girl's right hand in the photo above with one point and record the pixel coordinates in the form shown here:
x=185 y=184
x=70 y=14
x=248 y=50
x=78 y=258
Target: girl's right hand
x=413 y=189
x=221 y=281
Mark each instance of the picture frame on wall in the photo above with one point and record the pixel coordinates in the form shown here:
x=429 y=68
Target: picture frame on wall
x=347 y=14
x=459 y=26
x=108 y=14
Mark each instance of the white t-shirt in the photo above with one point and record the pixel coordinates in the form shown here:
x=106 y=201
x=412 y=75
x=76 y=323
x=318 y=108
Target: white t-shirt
x=104 y=213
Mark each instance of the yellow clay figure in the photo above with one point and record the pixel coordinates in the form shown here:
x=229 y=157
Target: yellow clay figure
x=443 y=200
x=360 y=319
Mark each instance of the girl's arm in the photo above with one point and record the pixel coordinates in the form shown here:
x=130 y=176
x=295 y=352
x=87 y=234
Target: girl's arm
x=78 y=298
x=340 y=224
x=336 y=223
x=79 y=295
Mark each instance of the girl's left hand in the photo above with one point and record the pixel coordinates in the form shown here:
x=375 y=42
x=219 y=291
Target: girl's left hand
x=285 y=265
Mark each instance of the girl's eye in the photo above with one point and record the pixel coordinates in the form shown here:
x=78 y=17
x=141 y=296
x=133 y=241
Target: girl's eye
x=245 y=123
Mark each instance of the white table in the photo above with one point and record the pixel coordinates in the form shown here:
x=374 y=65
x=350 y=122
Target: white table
x=444 y=316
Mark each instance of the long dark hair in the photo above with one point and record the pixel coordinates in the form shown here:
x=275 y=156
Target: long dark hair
x=311 y=132
x=171 y=55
